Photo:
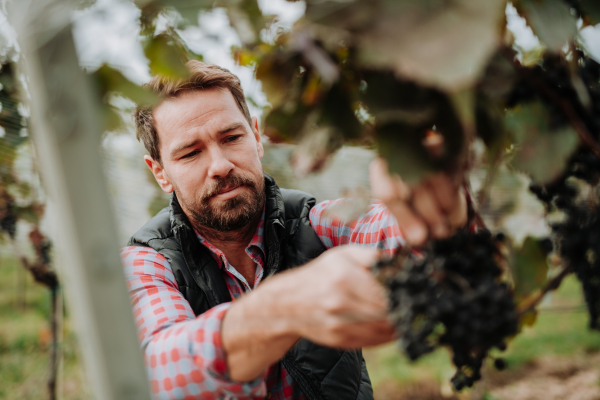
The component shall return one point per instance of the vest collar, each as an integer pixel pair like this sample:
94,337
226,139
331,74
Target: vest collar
275,235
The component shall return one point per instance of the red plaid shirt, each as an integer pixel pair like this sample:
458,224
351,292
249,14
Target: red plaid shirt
183,352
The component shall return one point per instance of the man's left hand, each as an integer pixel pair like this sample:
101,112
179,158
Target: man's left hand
433,208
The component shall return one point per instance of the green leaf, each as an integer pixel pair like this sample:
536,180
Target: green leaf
404,112
188,9
111,80
439,43
390,99
499,77
489,117
591,10
166,56
285,124
401,145
337,112
550,20
540,151
530,268
278,73
246,18
351,15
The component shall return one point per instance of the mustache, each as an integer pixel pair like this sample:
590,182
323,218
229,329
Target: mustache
225,183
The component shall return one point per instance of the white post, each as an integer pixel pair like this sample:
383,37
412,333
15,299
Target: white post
67,136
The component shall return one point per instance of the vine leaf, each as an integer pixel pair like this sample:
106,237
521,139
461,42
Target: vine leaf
591,8
402,147
442,44
166,56
550,20
278,74
530,268
188,9
347,15
541,151
112,80
283,125
246,18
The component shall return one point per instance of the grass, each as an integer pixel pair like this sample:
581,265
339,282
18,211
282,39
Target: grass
561,333
25,341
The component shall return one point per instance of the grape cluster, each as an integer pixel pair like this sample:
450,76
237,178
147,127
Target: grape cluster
452,296
579,241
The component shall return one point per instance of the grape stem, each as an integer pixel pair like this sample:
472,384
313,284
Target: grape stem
579,126
483,195
534,299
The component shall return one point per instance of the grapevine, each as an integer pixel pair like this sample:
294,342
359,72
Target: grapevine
579,241
577,236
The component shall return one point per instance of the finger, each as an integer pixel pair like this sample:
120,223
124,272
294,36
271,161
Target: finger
458,217
394,192
413,229
427,207
446,191
354,254
384,186
369,295
366,294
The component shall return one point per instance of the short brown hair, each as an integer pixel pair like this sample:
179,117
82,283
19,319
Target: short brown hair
201,76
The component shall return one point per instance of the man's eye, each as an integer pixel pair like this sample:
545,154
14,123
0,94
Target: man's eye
233,138
191,154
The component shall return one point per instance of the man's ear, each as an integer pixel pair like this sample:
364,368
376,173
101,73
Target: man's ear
159,174
256,132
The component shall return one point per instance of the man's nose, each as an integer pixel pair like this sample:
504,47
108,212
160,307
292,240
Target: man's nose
220,166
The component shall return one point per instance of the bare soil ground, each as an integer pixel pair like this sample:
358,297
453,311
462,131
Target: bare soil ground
547,378
550,378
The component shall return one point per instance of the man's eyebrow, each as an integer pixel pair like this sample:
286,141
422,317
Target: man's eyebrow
183,146
230,128
193,143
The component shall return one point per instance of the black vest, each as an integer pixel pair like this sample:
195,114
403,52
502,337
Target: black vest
321,372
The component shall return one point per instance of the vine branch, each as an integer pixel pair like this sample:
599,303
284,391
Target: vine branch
532,301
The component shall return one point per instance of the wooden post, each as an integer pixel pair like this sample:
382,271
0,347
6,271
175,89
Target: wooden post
66,135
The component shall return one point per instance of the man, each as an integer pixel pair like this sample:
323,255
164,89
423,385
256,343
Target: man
209,327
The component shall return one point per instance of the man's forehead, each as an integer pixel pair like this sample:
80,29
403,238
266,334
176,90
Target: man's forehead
195,109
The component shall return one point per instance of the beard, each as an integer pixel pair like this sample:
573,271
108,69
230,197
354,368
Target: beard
232,214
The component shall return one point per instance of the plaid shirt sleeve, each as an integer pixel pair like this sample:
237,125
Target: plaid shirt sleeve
377,227
184,354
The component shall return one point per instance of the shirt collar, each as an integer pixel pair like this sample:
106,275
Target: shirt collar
256,243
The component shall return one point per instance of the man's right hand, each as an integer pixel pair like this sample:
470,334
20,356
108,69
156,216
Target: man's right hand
334,301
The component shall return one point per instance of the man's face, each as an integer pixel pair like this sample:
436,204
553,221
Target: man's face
210,158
